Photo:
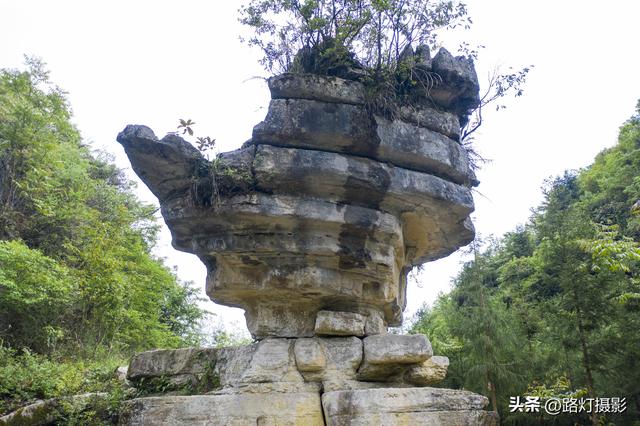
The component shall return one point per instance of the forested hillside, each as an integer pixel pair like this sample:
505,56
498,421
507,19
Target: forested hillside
80,290
553,308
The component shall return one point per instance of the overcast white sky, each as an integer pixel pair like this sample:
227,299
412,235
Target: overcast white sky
152,62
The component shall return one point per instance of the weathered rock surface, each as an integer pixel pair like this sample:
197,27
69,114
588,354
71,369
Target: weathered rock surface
335,362
316,87
309,355
265,251
375,324
400,406
166,166
442,122
307,124
272,361
171,362
327,208
41,412
178,368
429,372
272,408
387,357
54,410
330,323
305,366
397,349
312,227
120,375
459,90
432,211
342,357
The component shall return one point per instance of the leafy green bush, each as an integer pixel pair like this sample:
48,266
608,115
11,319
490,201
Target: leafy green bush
26,377
36,293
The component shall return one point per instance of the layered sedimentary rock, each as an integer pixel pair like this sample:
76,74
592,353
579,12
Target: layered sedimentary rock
343,380
326,208
312,227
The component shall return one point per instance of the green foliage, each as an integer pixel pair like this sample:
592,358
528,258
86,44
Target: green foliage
218,180
76,271
215,178
367,41
79,287
26,377
36,295
552,309
148,386
372,32
224,339
198,385
407,85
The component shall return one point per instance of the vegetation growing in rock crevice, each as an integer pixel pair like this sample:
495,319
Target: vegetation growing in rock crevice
370,41
219,179
215,178
552,309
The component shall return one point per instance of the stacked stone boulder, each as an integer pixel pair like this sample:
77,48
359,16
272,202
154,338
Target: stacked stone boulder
312,227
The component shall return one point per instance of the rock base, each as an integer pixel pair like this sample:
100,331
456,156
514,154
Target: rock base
241,409
420,406
386,406
304,381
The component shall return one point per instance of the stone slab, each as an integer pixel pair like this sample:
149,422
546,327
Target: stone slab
347,128
272,361
433,211
171,362
309,355
439,121
440,418
429,372
375,324
356,180
397,349
285,409
329,360
400,406
332,323
316,87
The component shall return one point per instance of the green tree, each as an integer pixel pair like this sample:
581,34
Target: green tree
375,31
482,320
371,41
92,283
563,289
37,290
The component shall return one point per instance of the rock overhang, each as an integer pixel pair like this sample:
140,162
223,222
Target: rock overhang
329,205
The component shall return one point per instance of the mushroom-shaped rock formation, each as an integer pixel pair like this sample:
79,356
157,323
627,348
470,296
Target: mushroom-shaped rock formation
327,207
311,227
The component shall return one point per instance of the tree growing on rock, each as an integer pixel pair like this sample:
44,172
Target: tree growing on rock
373,41
374,33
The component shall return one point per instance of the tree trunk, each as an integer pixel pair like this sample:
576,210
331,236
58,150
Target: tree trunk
379,29
492,395
586,363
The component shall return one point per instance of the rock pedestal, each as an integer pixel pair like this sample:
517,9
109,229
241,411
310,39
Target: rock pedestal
312,227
